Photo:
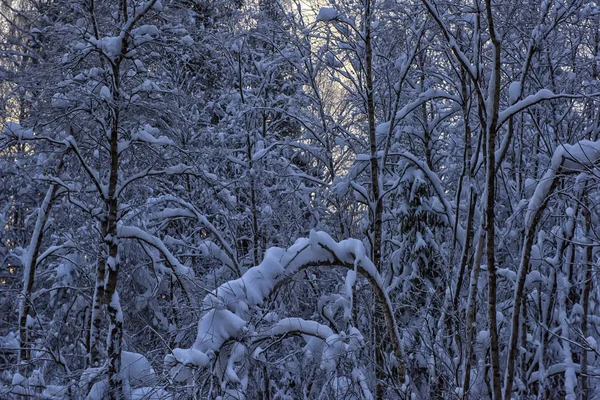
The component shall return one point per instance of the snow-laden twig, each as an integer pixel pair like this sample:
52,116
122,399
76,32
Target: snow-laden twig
180,271
191,211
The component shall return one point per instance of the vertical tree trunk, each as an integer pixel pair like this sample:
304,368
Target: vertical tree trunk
95,344
472,300
531,224
253,204
29,269
492,109
111,297
256,253
377,204
585,387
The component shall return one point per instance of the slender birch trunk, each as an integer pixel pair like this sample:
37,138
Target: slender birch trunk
29,270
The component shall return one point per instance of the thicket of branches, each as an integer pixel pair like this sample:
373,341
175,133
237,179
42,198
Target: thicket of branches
271,199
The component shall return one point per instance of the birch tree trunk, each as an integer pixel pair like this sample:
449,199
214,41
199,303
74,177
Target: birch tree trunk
29,270
377,203
492,109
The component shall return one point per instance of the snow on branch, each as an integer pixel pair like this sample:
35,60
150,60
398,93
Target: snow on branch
179,169
15,131
327,14
424,97
528,101
577,157
298,325
567,159
461,57
180,271
541,95
190,211
229,306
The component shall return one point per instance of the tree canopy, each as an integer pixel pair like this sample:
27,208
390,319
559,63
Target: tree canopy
286,199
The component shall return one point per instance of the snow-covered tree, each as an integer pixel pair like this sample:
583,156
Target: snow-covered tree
299,199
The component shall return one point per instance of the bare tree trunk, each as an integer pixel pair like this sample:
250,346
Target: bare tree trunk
266,394
377,210
492,109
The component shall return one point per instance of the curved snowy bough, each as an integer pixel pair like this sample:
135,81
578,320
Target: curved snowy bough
581,157
229,306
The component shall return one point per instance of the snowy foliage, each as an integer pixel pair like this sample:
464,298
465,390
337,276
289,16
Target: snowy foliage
281,199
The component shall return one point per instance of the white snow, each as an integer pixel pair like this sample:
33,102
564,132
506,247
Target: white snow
110,46
338,345
592,343
543,94
327,14
145,33
115,303
383,128
566,158
300,325
16,131
554,369
187,40
158,6
10,341
147,134
237,355
514,91
577,309
532,278
147,86
507,273
59,100
137,369
18,379
150,393
215,327
229,305
584,153
105,93
191,357
350,282
54,391
334,349
140,66
483,337
499,317
98,391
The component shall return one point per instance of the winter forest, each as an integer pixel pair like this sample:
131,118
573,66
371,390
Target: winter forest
299,199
